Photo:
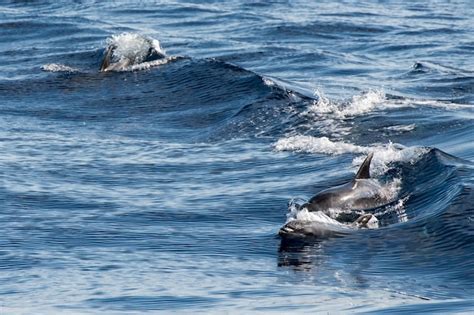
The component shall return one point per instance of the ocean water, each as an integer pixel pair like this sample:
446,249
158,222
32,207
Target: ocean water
162,187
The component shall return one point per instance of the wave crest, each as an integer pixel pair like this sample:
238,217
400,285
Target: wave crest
384,154
358,105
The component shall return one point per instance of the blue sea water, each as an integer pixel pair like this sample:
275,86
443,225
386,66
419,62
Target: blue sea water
162,188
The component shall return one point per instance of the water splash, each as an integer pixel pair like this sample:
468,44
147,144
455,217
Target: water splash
358,105
384,155
133,47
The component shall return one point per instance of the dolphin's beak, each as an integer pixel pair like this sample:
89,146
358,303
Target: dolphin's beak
106,61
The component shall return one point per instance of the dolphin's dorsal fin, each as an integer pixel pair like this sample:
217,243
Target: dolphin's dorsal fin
106,61
364,170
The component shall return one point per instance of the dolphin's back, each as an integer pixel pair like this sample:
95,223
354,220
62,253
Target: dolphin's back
331,198
358,194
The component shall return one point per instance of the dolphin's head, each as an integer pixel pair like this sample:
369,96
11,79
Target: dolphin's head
303,229
154,54
129,49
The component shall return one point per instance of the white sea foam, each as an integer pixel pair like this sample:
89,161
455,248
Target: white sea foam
311,144
150,64
358,105
389,153
401,128
369,101
55,67
331,117
384,154
304,215
268,82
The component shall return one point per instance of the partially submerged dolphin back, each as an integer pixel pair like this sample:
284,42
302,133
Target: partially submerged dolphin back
105,65
127,49
360,193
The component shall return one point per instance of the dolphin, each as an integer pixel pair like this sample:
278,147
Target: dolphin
360,193
111,62
325,227
343,204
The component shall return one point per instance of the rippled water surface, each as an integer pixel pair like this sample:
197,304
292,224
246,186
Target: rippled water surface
162,186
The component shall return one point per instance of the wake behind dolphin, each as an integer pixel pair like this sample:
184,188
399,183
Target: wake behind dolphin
339,209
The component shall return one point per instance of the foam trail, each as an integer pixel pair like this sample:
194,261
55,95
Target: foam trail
55,67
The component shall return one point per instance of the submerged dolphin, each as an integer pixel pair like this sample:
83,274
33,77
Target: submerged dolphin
146,51
349,200
325,228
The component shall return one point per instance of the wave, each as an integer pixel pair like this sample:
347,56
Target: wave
226,101
358,105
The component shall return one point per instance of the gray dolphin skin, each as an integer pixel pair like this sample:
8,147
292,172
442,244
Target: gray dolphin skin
360,193
350,199
110,64
298,229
